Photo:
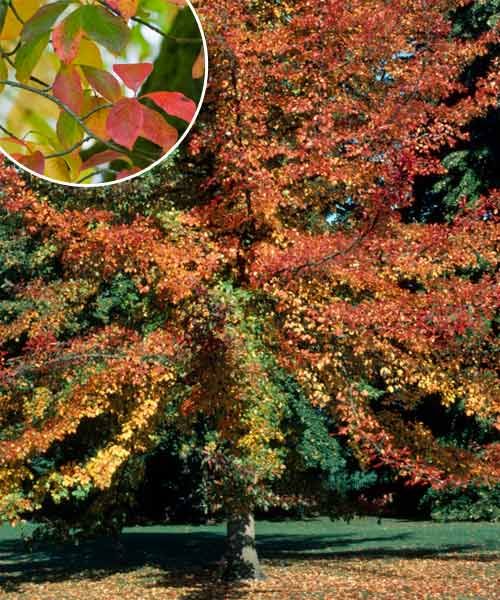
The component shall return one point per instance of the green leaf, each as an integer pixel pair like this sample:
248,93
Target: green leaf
68,130
43,20
493,20
105,28
103,82
28,55
4,73
456,159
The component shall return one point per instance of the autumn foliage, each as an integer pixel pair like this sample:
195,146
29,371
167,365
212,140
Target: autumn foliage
71,62
292,255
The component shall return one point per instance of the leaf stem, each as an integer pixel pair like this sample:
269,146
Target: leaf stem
179,40
15,13
11,52
9,133
68,150
97,109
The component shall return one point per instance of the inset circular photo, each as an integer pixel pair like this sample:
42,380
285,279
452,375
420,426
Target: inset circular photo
93,92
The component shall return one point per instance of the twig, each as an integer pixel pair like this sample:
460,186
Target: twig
179,40
331,256
46,86
66,108
15,13
97,109
68,150
5,54
9,133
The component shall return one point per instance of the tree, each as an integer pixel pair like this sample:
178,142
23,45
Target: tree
470,164
287,255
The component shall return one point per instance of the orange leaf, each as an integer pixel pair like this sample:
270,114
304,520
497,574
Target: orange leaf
35,161
66,38
126,8
97,121
156,129
127,172
198,69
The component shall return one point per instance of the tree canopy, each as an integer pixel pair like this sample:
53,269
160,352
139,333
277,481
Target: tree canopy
281,247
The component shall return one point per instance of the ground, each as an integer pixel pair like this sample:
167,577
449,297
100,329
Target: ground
306,560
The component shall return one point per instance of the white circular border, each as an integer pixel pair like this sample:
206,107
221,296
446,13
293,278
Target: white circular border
156,163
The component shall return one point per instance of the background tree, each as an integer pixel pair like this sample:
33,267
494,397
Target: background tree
285,259
471,170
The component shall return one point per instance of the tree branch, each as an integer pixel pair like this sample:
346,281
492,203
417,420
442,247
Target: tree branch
320,261
9,133
68,150
15,13
12,52
46,86
179,40
68,110
97,109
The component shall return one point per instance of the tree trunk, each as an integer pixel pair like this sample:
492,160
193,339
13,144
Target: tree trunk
242,561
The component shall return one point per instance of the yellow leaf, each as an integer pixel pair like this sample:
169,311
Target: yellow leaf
97,122
74,162
89,55
13,147
4,72
56,168
12,27
31,112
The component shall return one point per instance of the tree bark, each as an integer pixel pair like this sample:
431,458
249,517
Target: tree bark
242,561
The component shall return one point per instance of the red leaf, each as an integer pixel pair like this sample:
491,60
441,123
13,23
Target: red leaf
68,88
103,82
35,161
174,103
133,75
156,129
124,122
103,157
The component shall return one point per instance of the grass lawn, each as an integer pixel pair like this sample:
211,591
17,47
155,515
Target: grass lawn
315,559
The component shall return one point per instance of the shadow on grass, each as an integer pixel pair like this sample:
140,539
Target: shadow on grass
191,559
